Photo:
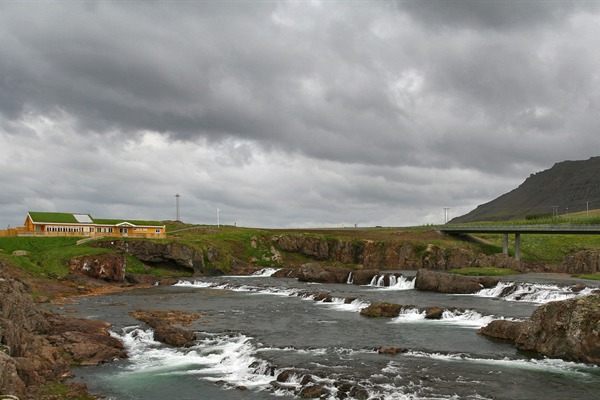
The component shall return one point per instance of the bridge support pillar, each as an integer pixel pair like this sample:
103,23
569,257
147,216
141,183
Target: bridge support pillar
505,244
517,246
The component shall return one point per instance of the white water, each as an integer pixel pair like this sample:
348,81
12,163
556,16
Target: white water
532,292
265,272
225,358
544,364
232,360
240,288
466,318
395,283
331,343
341,305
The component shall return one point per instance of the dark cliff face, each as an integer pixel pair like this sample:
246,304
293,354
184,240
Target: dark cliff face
567,184
155,252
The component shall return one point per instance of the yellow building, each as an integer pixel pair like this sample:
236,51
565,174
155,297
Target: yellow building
67,224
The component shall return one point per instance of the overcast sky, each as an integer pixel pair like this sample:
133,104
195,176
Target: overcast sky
290,113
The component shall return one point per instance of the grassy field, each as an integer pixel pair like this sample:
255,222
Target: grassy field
49,256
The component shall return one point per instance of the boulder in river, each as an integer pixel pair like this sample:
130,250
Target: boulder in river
442,282
381,309
567,329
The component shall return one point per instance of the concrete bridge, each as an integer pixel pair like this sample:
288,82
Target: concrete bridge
517,230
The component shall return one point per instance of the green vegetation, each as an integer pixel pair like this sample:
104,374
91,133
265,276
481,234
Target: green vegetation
58,390
227,246
54,217
591,217
594,277
46,256
543,248
487,271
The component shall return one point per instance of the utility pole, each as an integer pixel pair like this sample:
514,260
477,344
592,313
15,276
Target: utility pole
177,205
446,214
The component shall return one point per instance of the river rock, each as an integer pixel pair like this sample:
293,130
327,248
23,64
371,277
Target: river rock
567,329
172,335
442,282
313,391
381,309
502,329
162,322
287,273
313,272
434,312
393,350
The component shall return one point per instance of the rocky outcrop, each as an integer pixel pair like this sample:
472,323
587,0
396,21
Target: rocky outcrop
84,341
108,266
313,272
582,262
435,281
163,323
502,329
390,254
158,252
39,347
568,329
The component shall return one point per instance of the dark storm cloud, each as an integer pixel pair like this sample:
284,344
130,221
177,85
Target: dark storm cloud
496,15
203,68
294,106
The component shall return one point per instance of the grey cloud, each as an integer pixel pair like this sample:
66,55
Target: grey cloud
295,107
496,15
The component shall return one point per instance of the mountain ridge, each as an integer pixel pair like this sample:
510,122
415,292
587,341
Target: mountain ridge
568,186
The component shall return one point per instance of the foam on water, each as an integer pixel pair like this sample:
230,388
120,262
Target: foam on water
466,318
227,358
395,283
264,272
545,364
532,292
277,291
341,304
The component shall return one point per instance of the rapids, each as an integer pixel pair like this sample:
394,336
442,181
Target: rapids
259,327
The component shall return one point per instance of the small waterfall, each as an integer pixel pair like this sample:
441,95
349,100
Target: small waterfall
373,281
393,280
381,281
350,280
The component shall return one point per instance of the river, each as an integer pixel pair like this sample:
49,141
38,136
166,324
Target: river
256,327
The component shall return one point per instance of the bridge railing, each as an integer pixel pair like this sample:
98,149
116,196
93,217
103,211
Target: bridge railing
521,228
